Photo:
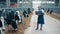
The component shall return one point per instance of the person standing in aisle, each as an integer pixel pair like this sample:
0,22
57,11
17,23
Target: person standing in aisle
40,21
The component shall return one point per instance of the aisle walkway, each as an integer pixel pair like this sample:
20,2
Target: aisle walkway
51,26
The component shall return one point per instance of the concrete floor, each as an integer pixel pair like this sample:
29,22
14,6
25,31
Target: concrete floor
51,26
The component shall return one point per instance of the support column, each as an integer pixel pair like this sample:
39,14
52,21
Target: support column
17,3
8,3
56,2
59,3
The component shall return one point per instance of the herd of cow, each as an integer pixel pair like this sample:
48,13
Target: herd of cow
11,19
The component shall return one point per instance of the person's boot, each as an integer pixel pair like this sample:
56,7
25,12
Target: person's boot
40,28
36,28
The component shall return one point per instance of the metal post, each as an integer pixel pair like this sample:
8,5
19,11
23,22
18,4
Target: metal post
8,3
17,3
